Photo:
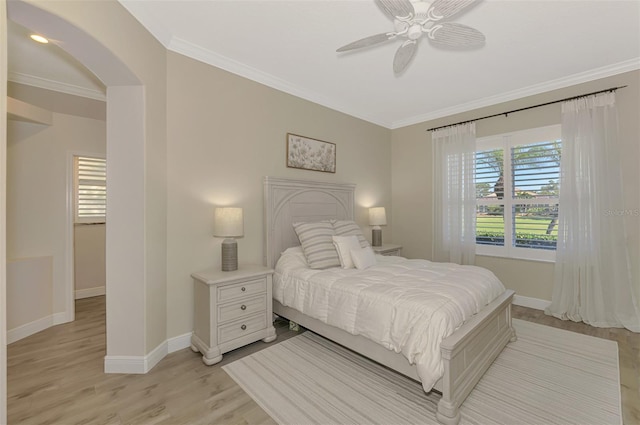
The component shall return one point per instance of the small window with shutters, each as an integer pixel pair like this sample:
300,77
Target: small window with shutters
517,181
90,197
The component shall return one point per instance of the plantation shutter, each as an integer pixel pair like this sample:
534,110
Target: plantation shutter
517,178
490,190
536,179
91,190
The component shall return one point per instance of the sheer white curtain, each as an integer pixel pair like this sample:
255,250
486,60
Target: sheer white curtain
593,280
455,197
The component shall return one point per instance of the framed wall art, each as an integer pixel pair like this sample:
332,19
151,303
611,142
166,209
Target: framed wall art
310,154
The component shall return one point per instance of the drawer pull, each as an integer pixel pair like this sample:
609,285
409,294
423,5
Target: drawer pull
243,307
243,327
243,289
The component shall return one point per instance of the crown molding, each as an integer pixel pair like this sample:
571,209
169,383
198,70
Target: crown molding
196,52
44,83
560,83
203,55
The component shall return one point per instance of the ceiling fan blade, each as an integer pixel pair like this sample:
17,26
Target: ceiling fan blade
450,34
403,56
367,41
397,9
446,8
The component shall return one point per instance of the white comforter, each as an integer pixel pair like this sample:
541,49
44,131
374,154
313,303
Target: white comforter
408,306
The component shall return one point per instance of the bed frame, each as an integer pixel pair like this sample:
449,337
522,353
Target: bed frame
466,354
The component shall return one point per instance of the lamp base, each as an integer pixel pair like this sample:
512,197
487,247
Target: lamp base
229,255
376,237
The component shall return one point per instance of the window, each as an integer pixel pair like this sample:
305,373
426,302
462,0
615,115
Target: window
90,184
517,185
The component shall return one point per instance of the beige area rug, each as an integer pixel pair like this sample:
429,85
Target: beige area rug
548,376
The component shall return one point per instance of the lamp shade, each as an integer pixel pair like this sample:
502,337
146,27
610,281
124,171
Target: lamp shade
228,222
377,216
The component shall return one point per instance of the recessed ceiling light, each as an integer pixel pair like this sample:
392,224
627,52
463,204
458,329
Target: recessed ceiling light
39,38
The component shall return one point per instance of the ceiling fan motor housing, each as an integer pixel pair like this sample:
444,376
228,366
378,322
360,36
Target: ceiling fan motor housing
415,31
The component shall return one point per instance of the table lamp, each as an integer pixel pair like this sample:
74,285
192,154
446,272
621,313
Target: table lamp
229,224
377,218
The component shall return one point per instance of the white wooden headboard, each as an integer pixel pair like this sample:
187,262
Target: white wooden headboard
288,201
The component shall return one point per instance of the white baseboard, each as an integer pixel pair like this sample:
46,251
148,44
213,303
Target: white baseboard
536,303
180,342
143,364
90,292
124,364
28,329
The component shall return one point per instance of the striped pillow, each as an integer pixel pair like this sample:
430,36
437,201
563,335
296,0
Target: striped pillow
317,244
349,228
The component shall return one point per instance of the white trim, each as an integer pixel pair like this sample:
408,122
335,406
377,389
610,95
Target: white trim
154,357
96,291
69,262
28,329
143,364
124,364
44,83
516,253
571,80
3,211
530,302
207,56
135,364
179,342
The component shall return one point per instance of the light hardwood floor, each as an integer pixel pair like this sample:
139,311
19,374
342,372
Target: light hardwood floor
56,377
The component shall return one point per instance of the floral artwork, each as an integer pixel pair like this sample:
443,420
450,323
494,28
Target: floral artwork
310,154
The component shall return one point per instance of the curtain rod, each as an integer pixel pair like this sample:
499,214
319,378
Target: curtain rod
612,89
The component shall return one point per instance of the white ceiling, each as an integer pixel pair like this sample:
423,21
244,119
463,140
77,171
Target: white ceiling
531,47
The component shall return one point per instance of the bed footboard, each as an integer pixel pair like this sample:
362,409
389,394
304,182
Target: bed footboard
469,352
466,354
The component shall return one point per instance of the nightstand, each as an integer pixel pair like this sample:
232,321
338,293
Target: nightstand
388,249
231,309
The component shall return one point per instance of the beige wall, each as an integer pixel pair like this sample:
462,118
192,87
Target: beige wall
412,165
225,133
38,172
29,293
89,258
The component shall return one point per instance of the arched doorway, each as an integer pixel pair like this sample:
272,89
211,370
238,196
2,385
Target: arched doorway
126,153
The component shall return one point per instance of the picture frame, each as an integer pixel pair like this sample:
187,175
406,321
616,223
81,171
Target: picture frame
310,154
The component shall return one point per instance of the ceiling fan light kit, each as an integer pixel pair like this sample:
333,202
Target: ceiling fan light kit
412,19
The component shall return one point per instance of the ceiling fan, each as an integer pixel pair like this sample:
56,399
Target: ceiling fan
414,18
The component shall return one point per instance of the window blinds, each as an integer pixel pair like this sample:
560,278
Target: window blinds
91,190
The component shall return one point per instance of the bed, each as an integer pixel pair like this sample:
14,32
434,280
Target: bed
466,354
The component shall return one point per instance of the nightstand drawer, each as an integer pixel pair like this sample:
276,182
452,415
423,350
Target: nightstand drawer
240,328
242,308
242,289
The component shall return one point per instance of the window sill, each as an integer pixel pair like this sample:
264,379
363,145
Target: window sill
517,257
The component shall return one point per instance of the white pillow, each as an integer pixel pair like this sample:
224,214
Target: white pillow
344,245
363,258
